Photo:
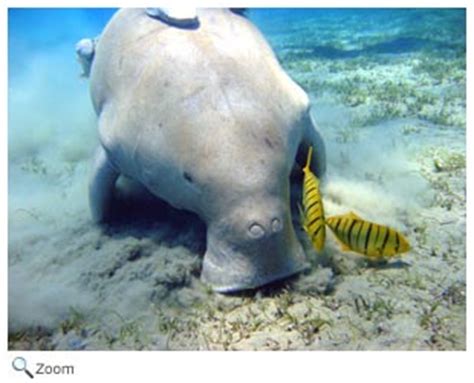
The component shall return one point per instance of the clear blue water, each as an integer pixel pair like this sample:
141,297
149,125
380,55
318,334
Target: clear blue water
37,29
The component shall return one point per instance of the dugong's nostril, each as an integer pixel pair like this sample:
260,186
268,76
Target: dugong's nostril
256,230
276,225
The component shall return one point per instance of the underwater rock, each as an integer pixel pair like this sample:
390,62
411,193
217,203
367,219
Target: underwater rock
207,120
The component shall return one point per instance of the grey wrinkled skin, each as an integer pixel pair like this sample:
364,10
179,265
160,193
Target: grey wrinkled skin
207,120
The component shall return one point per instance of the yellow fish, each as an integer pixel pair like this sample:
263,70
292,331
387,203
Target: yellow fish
312,217
367,238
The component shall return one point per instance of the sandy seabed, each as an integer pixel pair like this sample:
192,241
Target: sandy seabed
394,125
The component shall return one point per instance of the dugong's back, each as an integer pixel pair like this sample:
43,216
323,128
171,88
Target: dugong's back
135,47
165,91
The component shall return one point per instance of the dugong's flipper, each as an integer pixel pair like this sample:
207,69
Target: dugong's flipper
101,186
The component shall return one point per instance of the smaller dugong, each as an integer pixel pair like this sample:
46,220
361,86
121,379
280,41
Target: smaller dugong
207,120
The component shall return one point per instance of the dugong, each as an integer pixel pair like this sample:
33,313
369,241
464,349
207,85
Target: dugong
206,119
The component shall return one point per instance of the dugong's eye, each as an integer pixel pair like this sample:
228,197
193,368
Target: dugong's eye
188,177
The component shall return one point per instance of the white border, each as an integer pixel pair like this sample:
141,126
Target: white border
234,367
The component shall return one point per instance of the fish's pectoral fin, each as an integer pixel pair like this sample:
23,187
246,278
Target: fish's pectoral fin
343,246
302,217
377,253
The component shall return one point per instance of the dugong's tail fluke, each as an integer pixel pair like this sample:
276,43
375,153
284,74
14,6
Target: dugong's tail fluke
85,50
184,17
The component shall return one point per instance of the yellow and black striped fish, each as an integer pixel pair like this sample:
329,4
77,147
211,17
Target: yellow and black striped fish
367,238
312,214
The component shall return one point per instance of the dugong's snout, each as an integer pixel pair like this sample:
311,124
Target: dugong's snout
251,248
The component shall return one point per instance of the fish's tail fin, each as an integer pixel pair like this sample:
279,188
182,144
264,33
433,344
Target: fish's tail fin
308,161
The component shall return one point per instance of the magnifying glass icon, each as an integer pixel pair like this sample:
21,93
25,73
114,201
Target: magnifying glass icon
19,364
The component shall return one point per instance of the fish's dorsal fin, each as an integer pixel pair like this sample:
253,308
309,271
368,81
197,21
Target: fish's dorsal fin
354,215
308,161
